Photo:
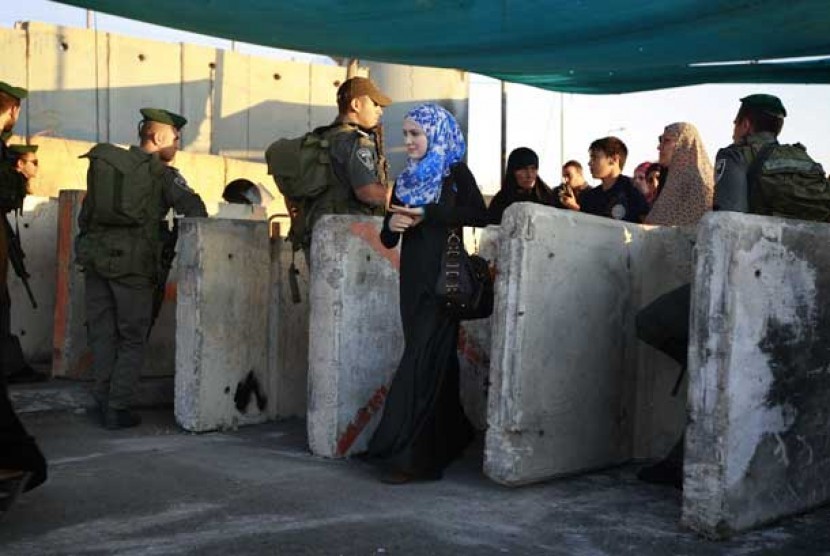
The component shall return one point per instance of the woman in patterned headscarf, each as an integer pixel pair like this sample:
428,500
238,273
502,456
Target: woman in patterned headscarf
423,426
687,191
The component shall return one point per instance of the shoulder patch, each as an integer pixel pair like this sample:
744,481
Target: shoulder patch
364,155
179,181
720,167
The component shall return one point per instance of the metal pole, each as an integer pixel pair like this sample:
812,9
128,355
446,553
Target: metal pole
503,128
89,19
561,129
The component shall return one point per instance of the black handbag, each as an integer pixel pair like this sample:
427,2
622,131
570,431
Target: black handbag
465,285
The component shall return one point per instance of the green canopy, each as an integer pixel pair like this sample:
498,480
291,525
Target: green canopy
578,46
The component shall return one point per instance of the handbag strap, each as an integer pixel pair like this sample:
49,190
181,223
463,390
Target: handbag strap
454,249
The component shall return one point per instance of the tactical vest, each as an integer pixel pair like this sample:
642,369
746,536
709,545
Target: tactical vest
121,214
785,181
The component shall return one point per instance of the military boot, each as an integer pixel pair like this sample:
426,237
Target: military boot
121,419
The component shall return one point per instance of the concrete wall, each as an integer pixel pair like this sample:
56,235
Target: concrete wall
61,168
757,442
88,85
571,389
357,341
222,315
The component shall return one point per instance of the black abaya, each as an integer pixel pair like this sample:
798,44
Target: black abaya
423,427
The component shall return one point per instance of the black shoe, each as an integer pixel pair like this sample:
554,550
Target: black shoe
396,478
121,419
12,483
663,472
26,375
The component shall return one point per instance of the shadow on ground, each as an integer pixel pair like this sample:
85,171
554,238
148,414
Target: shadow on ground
158,490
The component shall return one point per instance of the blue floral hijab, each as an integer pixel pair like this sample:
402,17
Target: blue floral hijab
420,182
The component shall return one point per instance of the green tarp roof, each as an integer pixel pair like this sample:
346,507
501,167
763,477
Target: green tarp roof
579,46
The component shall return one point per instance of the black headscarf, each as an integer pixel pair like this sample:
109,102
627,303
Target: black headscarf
510,193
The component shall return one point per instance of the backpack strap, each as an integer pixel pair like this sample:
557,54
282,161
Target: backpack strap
753,177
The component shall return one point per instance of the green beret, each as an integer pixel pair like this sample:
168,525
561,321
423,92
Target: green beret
22,149
766,103
17,92
163,117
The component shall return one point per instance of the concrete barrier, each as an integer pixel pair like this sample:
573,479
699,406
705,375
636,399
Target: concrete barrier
757,442
288,334
356,336
37,225
564,394
222,314
70,355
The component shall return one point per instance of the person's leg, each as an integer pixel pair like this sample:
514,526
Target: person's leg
664,323
22,465
133,315
101,334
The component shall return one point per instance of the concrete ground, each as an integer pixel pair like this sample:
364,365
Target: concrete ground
257,490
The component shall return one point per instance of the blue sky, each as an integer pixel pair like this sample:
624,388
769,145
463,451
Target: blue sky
535,116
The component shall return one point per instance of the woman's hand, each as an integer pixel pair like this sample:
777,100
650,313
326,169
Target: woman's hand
415,213
400,223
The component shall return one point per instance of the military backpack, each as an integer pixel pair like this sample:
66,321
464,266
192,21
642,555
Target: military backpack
302,170
785,181
121,213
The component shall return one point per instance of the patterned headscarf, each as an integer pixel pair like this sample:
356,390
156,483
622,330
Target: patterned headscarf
420,182
687,194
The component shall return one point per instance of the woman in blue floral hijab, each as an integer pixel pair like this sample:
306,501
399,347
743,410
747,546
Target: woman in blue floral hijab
420,182
423,427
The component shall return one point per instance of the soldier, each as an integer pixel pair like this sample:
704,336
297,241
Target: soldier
23,159
122,229
757,124
22,466
355,151
26,162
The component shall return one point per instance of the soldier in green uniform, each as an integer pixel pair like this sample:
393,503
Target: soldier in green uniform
664,324
758,123
122,229
22,466
355,150
23,159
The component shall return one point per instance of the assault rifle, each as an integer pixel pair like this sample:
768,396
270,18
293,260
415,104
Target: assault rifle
16,256
168,253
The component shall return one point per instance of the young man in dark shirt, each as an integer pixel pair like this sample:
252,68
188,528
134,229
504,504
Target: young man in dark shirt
616,197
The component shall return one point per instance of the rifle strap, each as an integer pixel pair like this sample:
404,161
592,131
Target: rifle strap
293,281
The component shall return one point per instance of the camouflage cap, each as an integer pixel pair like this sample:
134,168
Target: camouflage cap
22,149
766,103
163,117
359,86
17,92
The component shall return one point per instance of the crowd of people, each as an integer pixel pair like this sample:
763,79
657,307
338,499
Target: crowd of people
423,427
675,190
